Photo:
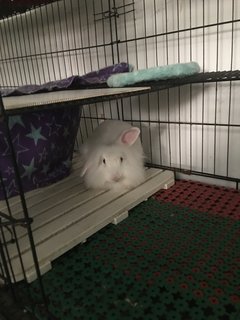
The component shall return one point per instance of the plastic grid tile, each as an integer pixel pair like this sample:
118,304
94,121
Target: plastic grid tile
218,200
163,262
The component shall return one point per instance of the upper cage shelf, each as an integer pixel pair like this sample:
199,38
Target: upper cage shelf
19,104
10,7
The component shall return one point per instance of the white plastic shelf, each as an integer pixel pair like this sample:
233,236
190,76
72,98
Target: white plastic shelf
18,104
66,214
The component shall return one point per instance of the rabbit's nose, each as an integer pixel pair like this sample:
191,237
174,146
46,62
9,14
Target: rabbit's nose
117,178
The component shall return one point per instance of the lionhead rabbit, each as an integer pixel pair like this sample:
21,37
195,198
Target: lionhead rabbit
113,157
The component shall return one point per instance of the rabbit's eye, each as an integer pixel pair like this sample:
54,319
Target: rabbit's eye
104,161
121,159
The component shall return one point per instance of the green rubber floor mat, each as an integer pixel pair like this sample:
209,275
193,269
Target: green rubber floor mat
163,262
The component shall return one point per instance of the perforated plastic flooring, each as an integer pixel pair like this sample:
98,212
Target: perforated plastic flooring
169,260
217,200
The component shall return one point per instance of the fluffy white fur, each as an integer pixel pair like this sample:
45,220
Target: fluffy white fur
113,157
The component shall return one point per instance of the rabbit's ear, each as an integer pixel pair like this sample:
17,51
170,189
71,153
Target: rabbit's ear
129,136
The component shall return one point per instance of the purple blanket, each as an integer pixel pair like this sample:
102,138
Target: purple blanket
44,140
90,80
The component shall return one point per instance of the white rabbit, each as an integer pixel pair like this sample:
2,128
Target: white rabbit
113,157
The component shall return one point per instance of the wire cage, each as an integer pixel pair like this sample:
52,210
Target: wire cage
190,125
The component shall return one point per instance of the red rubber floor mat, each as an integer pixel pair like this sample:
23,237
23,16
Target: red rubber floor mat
203,197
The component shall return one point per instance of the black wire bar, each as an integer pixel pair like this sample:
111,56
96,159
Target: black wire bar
145,37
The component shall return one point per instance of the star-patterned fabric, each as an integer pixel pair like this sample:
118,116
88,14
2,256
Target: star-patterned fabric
43,143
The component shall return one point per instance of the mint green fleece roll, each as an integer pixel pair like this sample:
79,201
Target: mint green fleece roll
178,70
